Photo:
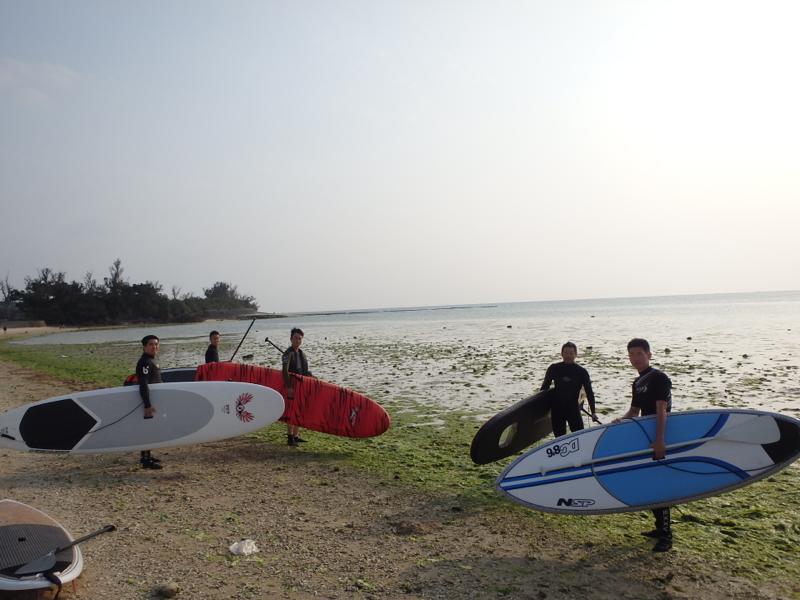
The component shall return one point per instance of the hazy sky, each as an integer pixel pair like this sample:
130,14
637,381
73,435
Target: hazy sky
350,154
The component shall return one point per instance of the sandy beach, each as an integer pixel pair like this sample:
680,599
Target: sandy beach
325,530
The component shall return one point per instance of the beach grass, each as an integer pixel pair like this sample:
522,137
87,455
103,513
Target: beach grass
103,365
753,532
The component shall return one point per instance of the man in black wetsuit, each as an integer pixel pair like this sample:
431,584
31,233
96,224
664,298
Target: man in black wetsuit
212,352
147,372
569,378
652,395
294,361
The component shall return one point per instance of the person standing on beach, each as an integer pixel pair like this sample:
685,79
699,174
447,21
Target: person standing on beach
148,372
569,377
652,395
294,362
212,352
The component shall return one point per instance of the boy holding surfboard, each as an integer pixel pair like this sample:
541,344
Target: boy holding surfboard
147,372
652,395
294,361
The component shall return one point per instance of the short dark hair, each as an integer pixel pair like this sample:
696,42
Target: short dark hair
297,330
147,338
639,343
569,345
213,332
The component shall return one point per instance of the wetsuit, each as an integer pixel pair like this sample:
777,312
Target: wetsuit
652,385
294,362
212,355
147,372
569,378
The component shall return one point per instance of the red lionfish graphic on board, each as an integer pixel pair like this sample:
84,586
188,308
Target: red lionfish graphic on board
245,416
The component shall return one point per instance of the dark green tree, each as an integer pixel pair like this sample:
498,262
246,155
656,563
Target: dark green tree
223,295
49,297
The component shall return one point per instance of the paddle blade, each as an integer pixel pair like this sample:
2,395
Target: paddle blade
43,564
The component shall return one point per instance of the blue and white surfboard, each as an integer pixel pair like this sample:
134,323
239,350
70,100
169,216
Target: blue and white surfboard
610,468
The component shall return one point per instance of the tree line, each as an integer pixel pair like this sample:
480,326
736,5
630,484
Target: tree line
51,298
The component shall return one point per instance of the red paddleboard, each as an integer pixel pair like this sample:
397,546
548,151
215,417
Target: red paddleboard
317,405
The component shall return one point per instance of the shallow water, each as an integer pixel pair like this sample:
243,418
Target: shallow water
732,350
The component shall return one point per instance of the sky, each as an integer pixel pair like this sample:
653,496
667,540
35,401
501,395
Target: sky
335,154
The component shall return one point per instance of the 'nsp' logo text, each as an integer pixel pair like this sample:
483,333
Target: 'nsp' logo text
575,502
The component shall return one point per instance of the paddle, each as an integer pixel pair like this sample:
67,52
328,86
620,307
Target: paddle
45,563
242,340
593,418
278,348
761,429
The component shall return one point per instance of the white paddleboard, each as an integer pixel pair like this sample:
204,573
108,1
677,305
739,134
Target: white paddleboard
27,534
610,468
111,420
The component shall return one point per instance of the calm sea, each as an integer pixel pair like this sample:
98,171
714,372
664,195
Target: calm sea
719,350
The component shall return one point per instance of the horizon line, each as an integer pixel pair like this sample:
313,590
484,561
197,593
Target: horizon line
413,308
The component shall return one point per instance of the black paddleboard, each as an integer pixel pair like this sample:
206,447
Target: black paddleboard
513,429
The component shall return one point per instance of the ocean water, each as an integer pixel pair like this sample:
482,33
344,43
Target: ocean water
720,350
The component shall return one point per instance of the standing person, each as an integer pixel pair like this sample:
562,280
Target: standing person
148,372
294,361
212,352
652,395
569,378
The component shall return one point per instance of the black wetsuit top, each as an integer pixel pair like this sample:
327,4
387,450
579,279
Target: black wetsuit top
294,362
569,379
212,355
651,385
147,371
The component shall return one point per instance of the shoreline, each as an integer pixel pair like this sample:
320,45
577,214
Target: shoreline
405,515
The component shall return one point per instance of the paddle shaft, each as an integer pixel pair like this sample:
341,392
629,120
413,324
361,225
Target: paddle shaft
88,536
242,340
278,348
593,418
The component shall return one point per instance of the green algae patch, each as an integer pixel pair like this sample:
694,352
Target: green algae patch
103,365
427,450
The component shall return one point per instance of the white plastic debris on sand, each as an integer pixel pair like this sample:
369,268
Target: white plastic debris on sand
244,548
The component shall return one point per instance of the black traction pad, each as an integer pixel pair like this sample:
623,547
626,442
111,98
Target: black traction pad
22,543
58,425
